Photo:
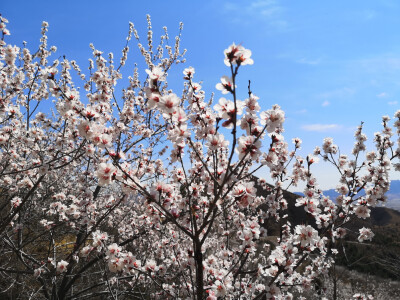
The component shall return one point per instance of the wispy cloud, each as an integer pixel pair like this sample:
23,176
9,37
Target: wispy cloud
265,7
325,103
338,93
307,61
321,127
382,95
385,62
368,14
299,57
301,111
268,11
392,102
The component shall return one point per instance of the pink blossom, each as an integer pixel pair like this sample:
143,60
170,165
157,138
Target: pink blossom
365,234
237,54
62,266
225,86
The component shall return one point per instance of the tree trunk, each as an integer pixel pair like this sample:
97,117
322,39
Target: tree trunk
198,257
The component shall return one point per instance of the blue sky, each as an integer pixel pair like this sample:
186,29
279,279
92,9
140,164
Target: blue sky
329,64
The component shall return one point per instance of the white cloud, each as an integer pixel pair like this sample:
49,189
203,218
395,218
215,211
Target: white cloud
301,111
267,11
368,15
381,95
392,102
321,127
326,103
338,93
262,3
279,24
380,63
267,8
307,61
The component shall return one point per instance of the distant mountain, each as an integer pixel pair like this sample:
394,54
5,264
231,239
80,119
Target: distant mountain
393,195
380,216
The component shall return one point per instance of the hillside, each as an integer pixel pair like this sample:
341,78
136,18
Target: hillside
380,257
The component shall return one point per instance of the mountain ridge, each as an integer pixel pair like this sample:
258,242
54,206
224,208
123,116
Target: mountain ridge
393,195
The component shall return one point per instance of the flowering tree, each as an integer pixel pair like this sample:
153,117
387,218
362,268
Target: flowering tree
142,193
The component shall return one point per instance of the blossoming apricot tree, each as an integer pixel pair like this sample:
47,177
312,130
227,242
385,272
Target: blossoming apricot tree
149,194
